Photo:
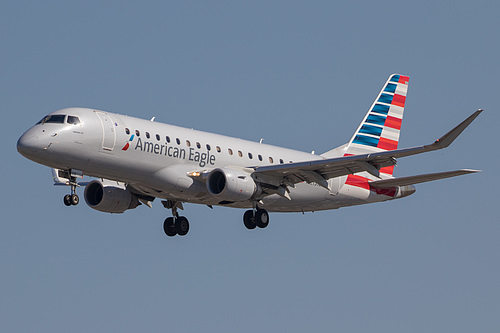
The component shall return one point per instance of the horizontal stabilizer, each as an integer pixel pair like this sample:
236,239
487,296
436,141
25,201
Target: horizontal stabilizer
404,181
341,166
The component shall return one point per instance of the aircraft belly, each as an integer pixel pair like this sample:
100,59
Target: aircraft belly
304,197
313,198
172,182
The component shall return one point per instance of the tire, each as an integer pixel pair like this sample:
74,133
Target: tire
169,227
74,199
67,200
182,226
248,220
262,218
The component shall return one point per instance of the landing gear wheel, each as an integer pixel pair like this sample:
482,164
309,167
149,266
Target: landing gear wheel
181,226
169,227
74,199
261,218
67,200
248,220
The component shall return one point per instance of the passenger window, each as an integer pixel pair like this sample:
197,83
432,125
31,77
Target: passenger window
127,131
73,120
271,160
147,135
218,149
168,139
230,151
137,133
281,161
208,147
178,141
158,137
240,154
260,157
198,145
250,156
188,143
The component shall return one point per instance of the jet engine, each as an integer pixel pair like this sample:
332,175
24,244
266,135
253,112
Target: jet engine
109,197
231,185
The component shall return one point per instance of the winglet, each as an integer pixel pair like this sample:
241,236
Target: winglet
449,137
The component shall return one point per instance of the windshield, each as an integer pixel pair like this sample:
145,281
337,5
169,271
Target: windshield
56,118
73,120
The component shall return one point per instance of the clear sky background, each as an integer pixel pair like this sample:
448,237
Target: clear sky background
300,75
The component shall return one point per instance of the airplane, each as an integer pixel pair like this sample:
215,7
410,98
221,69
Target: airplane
135,161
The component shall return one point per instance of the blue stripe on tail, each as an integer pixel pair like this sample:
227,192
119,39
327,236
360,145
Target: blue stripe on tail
366,140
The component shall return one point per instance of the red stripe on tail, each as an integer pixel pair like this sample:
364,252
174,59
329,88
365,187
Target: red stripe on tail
387,144
393,122
404,79
399,100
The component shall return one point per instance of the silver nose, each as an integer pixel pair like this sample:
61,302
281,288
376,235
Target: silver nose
28,144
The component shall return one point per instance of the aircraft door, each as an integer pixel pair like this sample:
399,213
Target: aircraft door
108,131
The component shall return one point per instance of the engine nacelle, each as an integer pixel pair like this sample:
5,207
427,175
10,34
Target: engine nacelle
109,197
231,185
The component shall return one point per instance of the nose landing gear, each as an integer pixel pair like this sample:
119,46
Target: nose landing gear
72,199
68,178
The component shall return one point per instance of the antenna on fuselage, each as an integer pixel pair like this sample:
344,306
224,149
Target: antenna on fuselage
153,119
261,139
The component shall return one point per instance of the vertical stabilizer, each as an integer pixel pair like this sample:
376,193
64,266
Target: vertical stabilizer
380,128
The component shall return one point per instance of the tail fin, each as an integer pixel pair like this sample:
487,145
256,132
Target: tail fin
380,128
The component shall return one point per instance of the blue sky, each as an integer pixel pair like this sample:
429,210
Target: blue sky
300,75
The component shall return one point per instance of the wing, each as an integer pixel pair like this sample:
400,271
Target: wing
319,171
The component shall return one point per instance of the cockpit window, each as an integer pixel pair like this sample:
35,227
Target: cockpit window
73,120
56,118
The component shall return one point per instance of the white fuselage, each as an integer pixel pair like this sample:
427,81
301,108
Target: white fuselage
155,160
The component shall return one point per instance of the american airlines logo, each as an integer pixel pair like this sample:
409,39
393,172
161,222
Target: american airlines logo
127,145
168,150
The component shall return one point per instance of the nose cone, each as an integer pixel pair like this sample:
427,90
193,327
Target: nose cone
28,144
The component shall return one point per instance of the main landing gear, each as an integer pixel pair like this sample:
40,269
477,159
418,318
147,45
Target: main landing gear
179,225
256,218
176,225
